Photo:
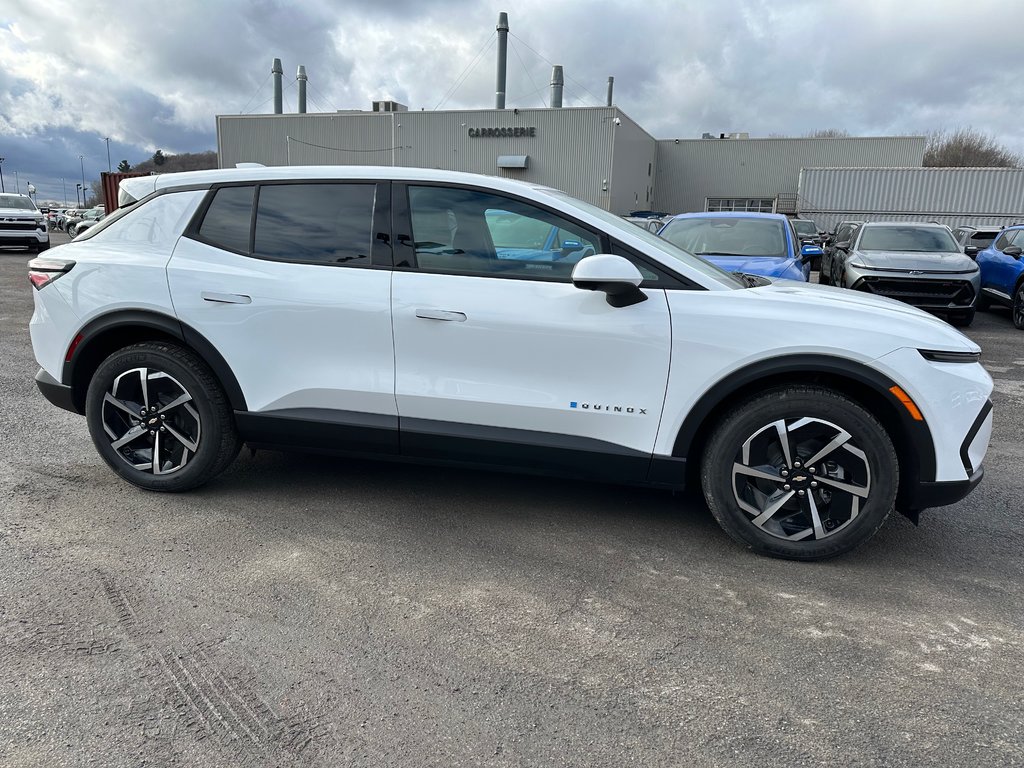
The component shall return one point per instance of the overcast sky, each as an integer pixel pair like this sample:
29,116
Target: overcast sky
153,75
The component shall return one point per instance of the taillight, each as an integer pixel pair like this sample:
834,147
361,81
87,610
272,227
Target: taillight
44,270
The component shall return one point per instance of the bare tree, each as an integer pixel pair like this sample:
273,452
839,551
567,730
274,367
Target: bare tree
828,133
967,148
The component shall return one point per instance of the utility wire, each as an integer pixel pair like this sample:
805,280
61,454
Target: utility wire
242,111
465,73
528,75
567,77
342,149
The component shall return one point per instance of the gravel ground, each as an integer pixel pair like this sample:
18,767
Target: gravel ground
311,611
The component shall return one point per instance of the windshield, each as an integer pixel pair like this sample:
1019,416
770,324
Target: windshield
16,201
714,236
804,227
618,224
914,239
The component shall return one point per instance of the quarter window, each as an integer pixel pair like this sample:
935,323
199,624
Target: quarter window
466,231
315,223
227,220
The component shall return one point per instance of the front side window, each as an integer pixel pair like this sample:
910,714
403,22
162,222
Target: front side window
910,239
474,232
723,236
315,223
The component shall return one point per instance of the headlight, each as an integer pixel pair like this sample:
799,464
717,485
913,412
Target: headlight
858,266
942,356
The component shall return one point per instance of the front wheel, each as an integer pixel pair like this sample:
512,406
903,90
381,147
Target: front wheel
1018,307
159,418
801,473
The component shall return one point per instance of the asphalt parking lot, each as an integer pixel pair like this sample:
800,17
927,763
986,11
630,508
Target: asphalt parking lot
313,611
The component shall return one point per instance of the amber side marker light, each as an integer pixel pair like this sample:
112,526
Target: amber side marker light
904,398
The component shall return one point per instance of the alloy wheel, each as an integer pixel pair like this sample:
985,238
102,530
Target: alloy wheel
151,421
1018,308
801,479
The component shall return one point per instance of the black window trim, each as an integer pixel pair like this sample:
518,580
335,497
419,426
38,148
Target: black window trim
405,258
380,247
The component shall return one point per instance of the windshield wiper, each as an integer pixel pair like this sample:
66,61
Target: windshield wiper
722,253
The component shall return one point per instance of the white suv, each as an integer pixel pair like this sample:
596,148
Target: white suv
441,316
21,223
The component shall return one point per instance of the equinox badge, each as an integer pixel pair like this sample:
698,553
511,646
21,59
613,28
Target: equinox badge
608,408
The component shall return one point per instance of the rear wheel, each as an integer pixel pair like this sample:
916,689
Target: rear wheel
1018,307
823,278
800,473
159,418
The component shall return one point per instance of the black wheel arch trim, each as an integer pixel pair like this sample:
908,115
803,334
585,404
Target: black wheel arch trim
134,318
965,446
916,432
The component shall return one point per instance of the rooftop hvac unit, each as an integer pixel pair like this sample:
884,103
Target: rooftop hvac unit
389,106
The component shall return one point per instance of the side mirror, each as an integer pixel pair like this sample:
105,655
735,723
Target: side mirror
809,251
613,275
570,246
1013,250
843,246
972,251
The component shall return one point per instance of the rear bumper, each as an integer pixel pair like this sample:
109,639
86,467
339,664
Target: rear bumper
57,393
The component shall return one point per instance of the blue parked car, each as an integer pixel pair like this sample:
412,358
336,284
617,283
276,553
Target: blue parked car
755,243
1002,273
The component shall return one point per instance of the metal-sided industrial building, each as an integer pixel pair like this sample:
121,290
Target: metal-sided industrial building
598,154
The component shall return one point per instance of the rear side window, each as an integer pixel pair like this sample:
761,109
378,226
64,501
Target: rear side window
227,220
315,223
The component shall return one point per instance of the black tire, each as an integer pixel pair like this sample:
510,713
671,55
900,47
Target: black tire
962,319
1018,308
42,246
823,278
195,440
812,418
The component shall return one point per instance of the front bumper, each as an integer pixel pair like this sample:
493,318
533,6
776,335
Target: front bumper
924,495
936,291
57,393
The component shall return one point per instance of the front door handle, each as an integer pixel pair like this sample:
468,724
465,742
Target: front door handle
226,298
441,314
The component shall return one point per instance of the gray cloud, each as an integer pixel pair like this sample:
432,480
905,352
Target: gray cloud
154,75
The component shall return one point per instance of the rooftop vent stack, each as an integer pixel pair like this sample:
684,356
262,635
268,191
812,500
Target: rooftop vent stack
611,86
301,77
557,82
276,71
499,92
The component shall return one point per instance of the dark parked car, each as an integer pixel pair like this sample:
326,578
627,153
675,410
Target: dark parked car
844,232
975,238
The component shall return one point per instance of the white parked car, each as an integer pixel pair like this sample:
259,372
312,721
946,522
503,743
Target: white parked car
22,223
369,311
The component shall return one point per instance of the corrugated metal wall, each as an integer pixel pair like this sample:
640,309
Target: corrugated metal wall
953,196
633,167
572,149
692,170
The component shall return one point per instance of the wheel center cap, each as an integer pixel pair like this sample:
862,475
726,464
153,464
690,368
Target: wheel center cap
799,479
153,422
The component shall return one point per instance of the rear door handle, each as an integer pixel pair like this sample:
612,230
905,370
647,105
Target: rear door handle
441,314
226,298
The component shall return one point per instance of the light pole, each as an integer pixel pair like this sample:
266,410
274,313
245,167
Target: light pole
81,159
78,203
17,184
2,175
63,184
107,139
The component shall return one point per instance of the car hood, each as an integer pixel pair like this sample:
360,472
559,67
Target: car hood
909,260
753,265
839,310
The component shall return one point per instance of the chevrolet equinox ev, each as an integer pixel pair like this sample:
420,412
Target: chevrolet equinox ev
429,315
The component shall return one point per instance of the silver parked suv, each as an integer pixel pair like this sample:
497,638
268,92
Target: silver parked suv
919,264
21,223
